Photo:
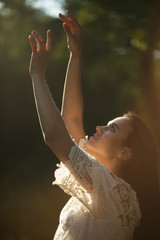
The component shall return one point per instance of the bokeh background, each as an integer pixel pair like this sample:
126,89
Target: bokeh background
120,72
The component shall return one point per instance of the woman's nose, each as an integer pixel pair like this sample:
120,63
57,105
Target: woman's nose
99,129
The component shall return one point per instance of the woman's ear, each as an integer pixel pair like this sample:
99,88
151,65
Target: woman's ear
126,154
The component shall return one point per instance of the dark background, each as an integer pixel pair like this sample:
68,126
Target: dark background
120,72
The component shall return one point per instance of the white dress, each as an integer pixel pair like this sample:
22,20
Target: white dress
102,206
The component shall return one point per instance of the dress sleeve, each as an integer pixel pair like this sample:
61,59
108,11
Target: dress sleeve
99,190
79,177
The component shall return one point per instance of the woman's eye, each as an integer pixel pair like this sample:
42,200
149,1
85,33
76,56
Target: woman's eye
112,128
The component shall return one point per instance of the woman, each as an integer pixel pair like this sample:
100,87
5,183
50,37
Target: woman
103,172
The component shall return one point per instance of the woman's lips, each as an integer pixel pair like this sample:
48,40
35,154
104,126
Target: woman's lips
94,137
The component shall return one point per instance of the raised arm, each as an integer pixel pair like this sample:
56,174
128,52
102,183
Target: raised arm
72,103
52,125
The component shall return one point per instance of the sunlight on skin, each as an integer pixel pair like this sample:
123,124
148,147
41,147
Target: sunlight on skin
107,143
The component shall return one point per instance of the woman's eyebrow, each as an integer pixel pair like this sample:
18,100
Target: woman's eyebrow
115,125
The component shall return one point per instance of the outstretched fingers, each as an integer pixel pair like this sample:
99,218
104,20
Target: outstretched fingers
40,53
69,14
49,41
64,19
38,44
70,20
33,44
70,23
39,40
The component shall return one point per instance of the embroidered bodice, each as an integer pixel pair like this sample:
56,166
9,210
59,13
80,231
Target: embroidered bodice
102,206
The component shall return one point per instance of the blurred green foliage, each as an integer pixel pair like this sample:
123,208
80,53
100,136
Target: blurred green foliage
120,72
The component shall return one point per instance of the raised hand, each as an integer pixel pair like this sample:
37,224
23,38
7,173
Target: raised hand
73,31
40,54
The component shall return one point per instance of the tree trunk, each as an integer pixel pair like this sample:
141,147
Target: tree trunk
148,86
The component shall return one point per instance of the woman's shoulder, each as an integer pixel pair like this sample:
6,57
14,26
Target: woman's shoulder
126,196
120,185
128,201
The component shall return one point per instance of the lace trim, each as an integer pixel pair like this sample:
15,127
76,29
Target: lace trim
78,163
69,184
129,204
73,177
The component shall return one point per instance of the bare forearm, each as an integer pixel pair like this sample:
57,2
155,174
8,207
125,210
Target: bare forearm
48,114
72,104
53,128
52,125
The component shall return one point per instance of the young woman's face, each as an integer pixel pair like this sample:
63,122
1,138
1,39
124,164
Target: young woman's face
107,142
